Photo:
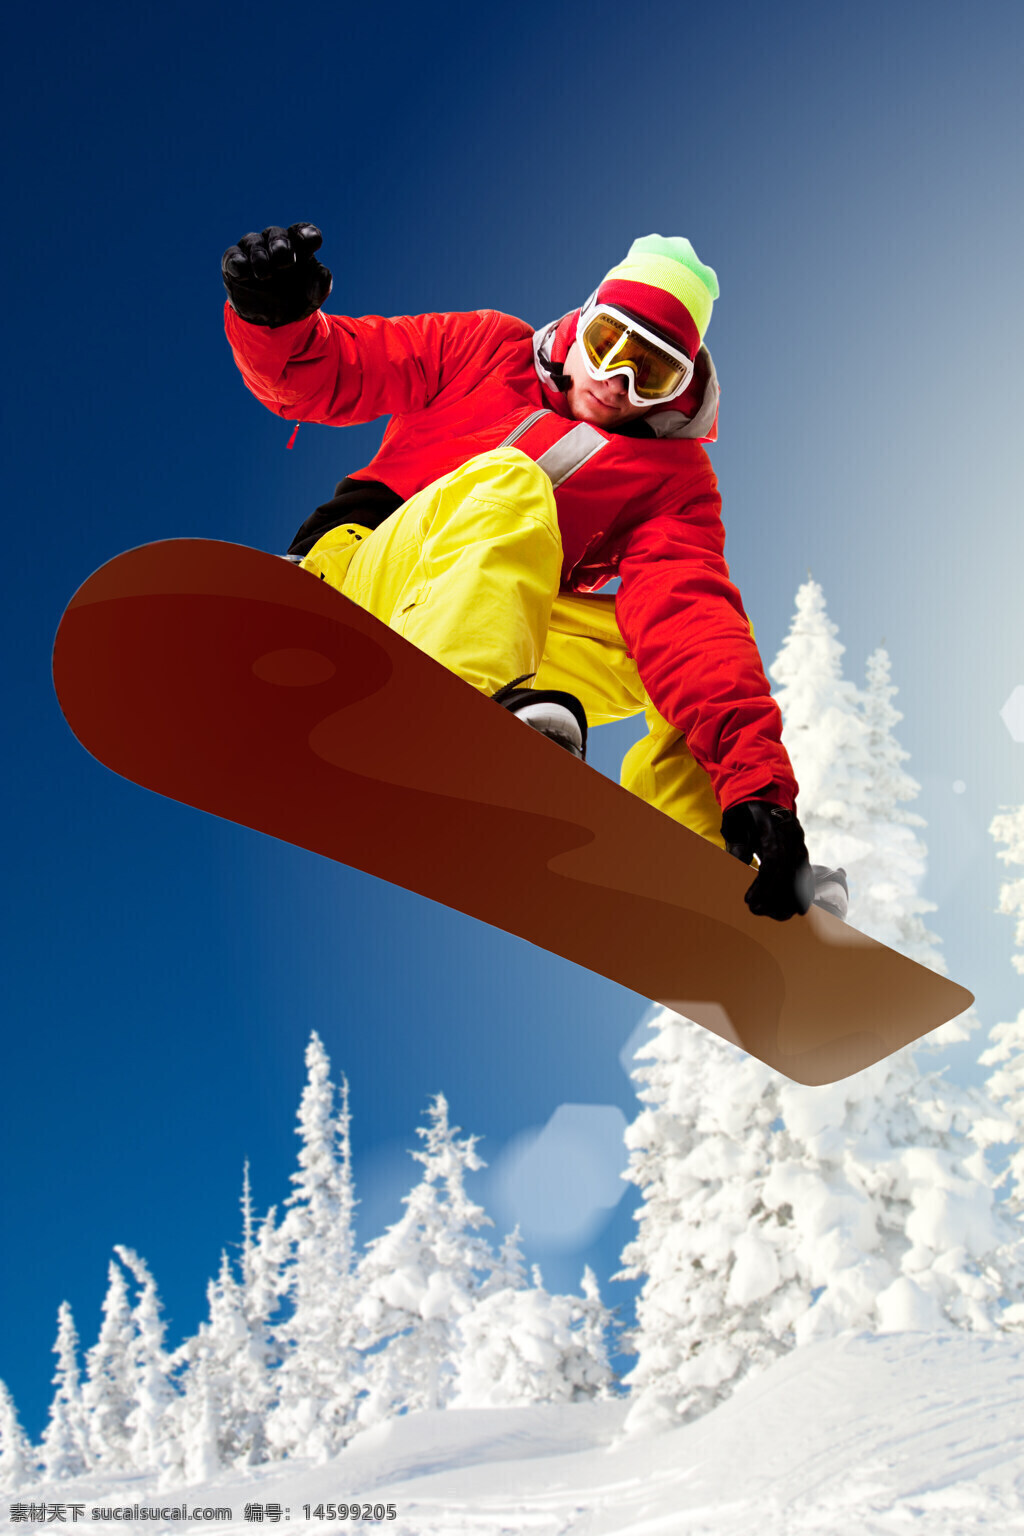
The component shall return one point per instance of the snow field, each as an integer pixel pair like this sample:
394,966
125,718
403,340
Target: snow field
861,1435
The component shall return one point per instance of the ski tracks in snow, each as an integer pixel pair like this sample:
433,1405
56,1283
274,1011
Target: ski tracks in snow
873,1435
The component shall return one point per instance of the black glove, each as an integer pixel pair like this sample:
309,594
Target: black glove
275,277
785,882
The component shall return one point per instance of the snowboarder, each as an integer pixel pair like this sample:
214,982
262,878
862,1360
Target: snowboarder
520,472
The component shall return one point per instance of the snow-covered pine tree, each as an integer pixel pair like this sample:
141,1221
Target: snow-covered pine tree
150,1424
422,1277
65,1449
902,1144
190,1425
897,1132
854,790
264,1254
774,1213
596,1325
214,1424
19,1463
520,1345
509,1270
888,903
826,734
228,1378
318,1381
1008,828
1006,1052
719,1299
108,1389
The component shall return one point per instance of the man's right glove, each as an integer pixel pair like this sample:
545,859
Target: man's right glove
275,278
785,882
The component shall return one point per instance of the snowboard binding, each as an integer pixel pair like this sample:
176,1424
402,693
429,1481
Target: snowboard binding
558,716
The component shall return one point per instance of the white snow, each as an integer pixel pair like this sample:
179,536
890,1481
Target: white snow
755,1272
862,1435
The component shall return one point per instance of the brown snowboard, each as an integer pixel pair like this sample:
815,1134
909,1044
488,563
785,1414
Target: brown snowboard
231,680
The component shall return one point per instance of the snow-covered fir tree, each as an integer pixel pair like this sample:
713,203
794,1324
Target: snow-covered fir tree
508,1272
902,1141
888,879
774,1213
219,1419
191,1451
596,1324
421,1278
854,790
151,1443
228,1370
318,1380
826,734
264,1254
1008,828
19,1463
521,1345
65,1448
1006,1052
719,1299
108,1389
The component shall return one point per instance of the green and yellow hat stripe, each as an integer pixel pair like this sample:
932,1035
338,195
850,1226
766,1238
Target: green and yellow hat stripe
670,263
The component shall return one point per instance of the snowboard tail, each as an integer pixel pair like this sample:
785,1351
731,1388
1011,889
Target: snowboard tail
233,681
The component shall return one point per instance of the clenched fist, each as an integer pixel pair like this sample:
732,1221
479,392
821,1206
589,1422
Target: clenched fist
274,278
784,885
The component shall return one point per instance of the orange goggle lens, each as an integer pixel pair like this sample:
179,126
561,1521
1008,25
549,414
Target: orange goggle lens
609,344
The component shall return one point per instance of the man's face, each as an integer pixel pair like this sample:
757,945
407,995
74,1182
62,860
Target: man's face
605,404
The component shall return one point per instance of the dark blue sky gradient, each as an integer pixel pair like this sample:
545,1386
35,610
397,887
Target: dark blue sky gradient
852,172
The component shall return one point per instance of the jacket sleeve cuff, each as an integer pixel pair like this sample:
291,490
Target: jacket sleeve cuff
738,791
261,344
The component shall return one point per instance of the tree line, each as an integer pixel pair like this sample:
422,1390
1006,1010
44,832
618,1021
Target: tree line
307,1341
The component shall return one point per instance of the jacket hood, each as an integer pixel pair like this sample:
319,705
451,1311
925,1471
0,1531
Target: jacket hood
551,348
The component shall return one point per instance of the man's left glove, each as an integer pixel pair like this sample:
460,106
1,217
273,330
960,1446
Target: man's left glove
784,883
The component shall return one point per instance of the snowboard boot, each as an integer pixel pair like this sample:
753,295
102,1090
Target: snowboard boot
558,716
831,892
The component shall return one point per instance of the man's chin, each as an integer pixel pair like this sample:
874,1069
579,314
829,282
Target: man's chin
587,407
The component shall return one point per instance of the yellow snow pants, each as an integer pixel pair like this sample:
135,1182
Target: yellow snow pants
468,570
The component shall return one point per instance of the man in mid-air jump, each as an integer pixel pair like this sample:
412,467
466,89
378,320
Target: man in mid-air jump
520,472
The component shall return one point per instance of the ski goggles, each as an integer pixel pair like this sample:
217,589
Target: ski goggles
612,342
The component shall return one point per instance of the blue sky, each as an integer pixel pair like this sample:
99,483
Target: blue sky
853,174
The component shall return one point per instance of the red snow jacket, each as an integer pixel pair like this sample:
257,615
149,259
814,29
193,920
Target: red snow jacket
645,509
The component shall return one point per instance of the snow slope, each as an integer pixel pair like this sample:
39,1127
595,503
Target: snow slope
864,1435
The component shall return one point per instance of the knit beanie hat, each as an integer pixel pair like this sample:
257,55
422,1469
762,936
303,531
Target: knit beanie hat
663,282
